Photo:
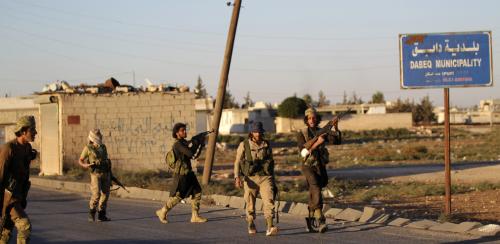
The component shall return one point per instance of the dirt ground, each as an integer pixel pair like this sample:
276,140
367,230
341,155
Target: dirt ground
475,206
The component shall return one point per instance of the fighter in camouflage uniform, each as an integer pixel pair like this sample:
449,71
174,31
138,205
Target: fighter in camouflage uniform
15,158
254,169
314,168
95,157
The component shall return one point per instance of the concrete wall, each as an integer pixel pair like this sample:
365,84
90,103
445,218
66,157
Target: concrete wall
475,117
233,121
137,127
11,109
356,122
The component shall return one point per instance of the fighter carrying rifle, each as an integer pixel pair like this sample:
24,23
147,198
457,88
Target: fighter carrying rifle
312,142
185,183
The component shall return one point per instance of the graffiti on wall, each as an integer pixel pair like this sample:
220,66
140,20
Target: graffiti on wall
137,134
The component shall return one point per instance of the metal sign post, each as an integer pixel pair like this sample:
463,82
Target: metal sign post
444,60
447,161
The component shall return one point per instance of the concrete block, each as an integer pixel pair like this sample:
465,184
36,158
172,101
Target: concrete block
300,209
258,204
486,231
332,212
237,202
422,224
399,222
381,219
463,227
368,214
349,214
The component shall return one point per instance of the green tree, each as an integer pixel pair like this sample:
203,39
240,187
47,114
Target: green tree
401,106
322,101
229,101
344,99
354,99
423,113
200,88
248,101
308,99
292,107
378,97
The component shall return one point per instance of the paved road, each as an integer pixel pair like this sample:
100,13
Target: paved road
61,217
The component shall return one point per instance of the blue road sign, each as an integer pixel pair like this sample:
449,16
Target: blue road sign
445,60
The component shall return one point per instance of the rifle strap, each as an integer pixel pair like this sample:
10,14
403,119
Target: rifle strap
248,152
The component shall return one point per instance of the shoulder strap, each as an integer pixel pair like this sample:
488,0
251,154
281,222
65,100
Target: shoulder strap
305,133
268,149
248,152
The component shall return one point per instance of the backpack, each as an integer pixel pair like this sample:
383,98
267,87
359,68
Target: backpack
170,159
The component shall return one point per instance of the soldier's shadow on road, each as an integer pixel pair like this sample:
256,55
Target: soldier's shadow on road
332,229
479,240
67,199
56,213
117,241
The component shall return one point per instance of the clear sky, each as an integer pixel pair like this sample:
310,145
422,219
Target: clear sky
282,47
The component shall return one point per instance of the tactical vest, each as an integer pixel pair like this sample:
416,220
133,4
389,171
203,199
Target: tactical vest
319,155
262,167
17,177
99,159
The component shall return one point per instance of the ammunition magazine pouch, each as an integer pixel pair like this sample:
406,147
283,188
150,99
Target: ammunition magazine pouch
101,166
251,167
98,165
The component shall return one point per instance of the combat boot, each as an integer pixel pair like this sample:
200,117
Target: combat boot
251,227
311,222
91,217
196,218
271,229
101,216
321,220
162,215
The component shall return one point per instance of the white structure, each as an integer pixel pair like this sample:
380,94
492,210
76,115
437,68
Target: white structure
11,109
263,113
365,108
233,120
240,120
488,112
203,110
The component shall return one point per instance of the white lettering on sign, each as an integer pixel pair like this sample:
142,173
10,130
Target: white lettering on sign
458,63
421,64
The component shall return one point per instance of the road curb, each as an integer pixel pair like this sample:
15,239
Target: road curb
369,215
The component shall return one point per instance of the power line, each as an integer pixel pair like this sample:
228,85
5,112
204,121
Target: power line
304,52
189,64
70,13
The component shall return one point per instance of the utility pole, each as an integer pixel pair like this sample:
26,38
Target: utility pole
221,92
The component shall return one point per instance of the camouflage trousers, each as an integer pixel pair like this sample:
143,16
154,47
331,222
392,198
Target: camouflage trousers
195,201
20,220
263,185
100,184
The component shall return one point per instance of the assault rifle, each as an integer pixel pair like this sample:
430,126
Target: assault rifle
118,183
199,139
113,178
327,128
